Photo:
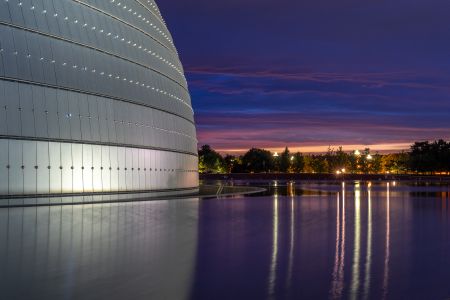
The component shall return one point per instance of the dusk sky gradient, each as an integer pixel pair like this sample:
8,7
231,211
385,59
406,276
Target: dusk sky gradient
309,74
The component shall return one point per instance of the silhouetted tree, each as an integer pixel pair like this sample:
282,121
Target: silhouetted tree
364,162
298,164
257,160
319,164
337,160
426,157
285,160
228,163
376,165
209,160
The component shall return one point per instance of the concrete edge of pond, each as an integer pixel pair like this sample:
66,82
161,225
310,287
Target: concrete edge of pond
213,191
204,192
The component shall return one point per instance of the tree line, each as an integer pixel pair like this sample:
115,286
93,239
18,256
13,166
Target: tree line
423,157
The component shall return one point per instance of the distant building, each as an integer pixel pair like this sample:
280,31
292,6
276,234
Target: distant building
93,100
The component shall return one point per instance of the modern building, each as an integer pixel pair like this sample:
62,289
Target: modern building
93,101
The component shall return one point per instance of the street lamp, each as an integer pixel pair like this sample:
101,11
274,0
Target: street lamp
275,154
369,157
357,153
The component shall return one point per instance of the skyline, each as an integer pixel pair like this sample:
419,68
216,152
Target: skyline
310,75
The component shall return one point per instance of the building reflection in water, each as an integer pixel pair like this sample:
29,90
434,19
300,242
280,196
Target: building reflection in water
273,264
105,251
275,246
339,260
291,193
388,241
358,290
355,281
368,265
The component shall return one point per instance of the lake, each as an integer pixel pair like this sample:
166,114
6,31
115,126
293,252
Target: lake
303,240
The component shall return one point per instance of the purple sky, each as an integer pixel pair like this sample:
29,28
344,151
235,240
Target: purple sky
308,74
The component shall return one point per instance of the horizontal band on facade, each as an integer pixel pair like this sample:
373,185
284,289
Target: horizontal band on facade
92,48
94,143
64,195
173,50
94,94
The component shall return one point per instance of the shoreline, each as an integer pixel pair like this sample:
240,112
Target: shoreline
334,177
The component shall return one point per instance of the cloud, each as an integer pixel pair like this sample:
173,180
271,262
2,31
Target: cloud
313,73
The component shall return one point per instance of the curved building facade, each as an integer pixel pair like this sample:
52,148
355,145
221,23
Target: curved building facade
93,100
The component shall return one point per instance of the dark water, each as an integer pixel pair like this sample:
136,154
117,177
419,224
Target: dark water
299,241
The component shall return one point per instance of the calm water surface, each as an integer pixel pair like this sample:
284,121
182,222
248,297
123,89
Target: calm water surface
358,240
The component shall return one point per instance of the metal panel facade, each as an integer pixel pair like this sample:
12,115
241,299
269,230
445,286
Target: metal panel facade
93,99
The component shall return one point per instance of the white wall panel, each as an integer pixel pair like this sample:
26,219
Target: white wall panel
78,168
128,169
4,171
147,167
106,170
121,168
27,110
56,167
29,167
64,114
52,113
3,110
97,166
15,167
141,168
114,165
4,11
43,172
69,167
135,169
40,116
75,120
13,105
87,168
